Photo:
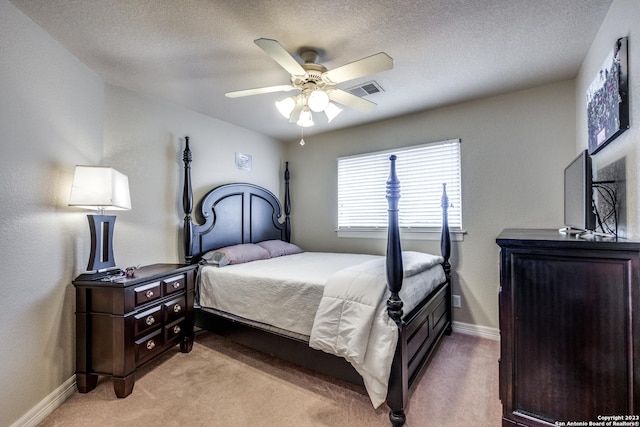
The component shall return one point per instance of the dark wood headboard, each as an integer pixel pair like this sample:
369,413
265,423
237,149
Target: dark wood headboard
233,213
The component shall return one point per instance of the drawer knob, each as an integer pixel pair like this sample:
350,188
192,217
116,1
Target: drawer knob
176,285
177,308
149,294
176,329
151,345
150,320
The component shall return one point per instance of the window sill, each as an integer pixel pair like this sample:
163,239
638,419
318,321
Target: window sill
405,234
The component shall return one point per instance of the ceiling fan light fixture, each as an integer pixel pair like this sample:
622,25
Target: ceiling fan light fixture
316,84
286,106
332,111
305,120
318,100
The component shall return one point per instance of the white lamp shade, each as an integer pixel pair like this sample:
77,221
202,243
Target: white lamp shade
332,111
318,100
100,188
305,120
286,106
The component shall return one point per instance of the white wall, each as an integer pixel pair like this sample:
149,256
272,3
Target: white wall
51,112
144,139
514,149
622,20
56,113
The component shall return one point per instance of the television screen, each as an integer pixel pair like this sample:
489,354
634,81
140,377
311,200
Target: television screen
578,194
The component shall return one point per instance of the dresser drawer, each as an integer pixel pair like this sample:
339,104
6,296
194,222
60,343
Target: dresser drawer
174,284
147,293
175,308
147,320
149,345
174,330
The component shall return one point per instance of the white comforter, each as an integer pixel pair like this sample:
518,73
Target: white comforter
352,319
283,292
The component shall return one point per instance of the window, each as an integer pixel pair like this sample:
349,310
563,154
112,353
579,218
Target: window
422,169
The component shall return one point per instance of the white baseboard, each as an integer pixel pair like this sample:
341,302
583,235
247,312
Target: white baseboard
476,330
47,405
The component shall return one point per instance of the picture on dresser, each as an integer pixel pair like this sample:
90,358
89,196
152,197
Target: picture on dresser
607,99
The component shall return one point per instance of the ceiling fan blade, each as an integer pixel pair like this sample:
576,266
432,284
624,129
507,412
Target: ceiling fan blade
362,67
295,114
351,101
258,91
281,56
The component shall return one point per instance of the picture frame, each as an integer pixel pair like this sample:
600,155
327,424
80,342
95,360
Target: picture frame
608,100
243,161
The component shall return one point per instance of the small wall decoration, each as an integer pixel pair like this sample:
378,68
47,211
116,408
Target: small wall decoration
243,161
607,99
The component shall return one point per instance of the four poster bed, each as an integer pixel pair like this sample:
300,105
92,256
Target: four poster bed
302,312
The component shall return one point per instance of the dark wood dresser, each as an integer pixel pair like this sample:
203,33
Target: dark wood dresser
124,323
570,329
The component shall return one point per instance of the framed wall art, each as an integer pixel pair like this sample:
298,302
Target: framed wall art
608,100
243,161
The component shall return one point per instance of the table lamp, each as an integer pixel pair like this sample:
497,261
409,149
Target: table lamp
100,188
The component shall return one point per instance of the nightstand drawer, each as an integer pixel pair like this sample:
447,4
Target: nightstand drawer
147,293
148,319
174,330
149,345
174,308
174,284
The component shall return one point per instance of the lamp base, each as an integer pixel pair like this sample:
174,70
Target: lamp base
101,257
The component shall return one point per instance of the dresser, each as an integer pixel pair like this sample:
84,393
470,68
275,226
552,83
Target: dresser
123,323
570,329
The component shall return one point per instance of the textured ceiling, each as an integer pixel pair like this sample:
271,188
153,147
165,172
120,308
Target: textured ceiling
191,52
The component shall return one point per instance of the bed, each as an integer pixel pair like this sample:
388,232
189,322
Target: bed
397,306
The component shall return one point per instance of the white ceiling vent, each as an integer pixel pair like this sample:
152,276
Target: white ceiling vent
364,89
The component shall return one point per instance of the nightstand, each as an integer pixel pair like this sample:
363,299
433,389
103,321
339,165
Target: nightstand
124,323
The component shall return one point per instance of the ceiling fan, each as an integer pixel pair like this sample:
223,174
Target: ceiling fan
316,84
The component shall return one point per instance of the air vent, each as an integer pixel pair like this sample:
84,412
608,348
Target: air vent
365,89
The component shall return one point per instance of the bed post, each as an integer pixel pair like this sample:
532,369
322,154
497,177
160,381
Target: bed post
445,251
445,238
394,250
398,381
187,203
287,204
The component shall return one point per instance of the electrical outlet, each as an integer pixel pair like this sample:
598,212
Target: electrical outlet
456,301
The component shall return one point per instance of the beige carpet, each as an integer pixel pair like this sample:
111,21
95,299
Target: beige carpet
224,384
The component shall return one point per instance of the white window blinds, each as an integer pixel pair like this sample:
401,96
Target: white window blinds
422,170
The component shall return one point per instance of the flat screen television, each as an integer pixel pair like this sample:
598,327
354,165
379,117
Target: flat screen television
578,195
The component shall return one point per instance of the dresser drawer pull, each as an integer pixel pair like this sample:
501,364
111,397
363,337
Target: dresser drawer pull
176,285
177,308
176,329
150,320
151,345
149,294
